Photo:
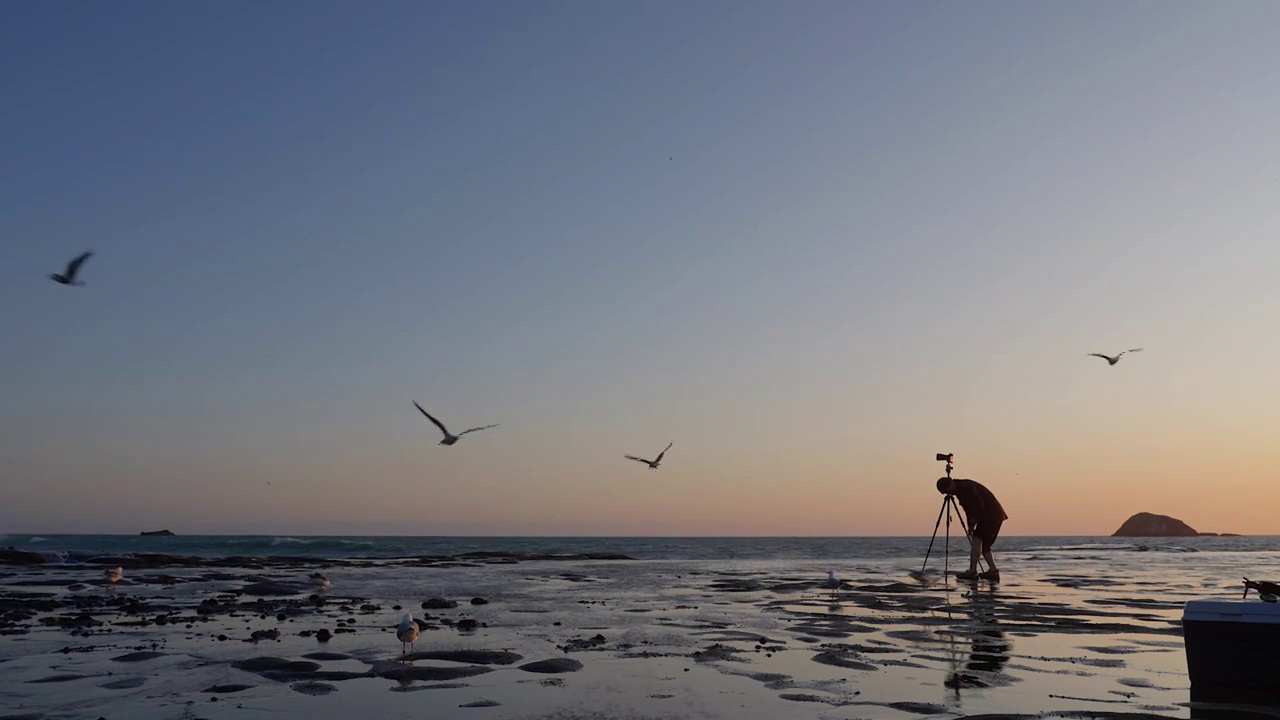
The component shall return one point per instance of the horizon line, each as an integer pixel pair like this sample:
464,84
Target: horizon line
617,537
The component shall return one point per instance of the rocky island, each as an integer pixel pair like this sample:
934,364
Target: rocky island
158,533
1151,525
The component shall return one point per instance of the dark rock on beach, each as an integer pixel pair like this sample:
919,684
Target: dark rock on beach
137,657
843,660
554,665
395,670
281,670
65,677
919,708
439,604
266,664
473,657
716,653
577,644
227,689
124,684
327,656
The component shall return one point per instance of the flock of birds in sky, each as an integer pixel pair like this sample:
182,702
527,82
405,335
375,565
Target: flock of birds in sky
407,632
71,273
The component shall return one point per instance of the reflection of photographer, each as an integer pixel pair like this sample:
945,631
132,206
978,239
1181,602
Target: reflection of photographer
985,517
988,658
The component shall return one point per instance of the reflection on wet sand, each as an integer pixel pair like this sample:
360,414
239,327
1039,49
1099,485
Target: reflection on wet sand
990,652
747,640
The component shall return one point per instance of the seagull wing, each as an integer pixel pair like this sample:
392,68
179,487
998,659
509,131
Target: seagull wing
664,452
73,267
437,422
1134,350
1104,357
486,427
633,457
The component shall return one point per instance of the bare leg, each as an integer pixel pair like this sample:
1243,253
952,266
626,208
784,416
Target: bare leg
991,561
977,552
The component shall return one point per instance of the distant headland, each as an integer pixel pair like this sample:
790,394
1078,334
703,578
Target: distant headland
1151,525
159,533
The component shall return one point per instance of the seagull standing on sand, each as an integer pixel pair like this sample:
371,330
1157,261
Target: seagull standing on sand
407,632
114,575
449,438
831,583
653,464
924,578
320,578
68,276
1113,360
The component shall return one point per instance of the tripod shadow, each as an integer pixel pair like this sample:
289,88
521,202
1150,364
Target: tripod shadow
989,654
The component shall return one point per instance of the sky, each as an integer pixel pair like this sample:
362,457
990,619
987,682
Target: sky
811,244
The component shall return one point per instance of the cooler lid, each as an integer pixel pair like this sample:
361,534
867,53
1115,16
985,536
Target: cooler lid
1251,610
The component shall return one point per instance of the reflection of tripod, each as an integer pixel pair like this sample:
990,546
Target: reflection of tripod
949,503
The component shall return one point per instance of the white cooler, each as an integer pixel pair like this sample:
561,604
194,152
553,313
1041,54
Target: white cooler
1233,650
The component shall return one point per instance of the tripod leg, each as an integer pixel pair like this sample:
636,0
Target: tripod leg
946,557
935,535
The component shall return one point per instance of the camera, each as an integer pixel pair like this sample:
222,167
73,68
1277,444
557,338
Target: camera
945,457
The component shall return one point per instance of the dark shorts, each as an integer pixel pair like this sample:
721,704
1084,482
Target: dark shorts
987,531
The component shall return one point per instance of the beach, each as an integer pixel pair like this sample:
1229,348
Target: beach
1078,628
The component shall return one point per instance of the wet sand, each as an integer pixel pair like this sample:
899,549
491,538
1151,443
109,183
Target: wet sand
591,638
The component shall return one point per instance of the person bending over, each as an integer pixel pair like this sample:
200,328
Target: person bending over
985,516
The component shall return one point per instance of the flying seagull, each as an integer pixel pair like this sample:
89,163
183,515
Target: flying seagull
1113,360
114,575
449,438
68,276
653,464
407,632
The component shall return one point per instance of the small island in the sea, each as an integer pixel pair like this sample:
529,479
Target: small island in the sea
1150,525
158,533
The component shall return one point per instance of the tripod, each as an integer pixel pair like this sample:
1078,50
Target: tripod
949,504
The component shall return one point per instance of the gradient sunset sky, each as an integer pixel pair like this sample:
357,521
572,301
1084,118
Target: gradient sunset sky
885,230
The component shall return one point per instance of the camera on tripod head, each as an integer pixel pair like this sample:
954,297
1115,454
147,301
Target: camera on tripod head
947,458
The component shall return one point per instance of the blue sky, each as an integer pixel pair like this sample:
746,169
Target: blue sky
812,244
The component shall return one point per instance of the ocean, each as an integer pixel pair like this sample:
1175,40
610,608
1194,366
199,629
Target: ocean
74,548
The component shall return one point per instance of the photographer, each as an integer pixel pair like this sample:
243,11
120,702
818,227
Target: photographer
985,516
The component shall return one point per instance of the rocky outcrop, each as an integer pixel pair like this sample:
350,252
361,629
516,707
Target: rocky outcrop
158,533
1149,525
